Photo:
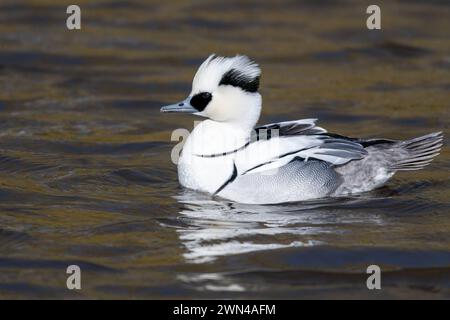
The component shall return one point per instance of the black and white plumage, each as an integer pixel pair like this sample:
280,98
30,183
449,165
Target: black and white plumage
227,156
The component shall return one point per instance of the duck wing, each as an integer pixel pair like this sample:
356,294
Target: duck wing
277,144
290,128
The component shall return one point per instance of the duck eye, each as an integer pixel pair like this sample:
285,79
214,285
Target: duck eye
201,100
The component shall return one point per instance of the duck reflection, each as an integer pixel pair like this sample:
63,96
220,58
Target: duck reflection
211,228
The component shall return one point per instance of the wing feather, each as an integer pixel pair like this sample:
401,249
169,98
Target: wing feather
296,139
296,127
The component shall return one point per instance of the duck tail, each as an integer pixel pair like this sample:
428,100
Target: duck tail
417,153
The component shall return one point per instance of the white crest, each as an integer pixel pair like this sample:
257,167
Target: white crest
211,71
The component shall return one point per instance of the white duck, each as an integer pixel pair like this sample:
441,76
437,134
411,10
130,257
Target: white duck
227,156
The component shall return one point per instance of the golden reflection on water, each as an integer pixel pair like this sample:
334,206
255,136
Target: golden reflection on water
85,171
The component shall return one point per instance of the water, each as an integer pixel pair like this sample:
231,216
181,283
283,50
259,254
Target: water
85,170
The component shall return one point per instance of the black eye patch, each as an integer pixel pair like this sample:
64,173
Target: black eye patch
201,100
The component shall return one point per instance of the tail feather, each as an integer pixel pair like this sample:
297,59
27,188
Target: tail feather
417,153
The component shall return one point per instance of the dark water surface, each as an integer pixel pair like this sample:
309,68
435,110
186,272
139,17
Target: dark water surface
85,170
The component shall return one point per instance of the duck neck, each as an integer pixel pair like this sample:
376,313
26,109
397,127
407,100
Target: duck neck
215,136
250,110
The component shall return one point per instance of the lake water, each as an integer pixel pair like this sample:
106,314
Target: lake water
85,170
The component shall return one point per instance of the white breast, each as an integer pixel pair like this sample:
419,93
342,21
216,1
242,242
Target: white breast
209,173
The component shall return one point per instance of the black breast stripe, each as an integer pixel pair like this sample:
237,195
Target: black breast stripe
255,137
223,153
231,179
